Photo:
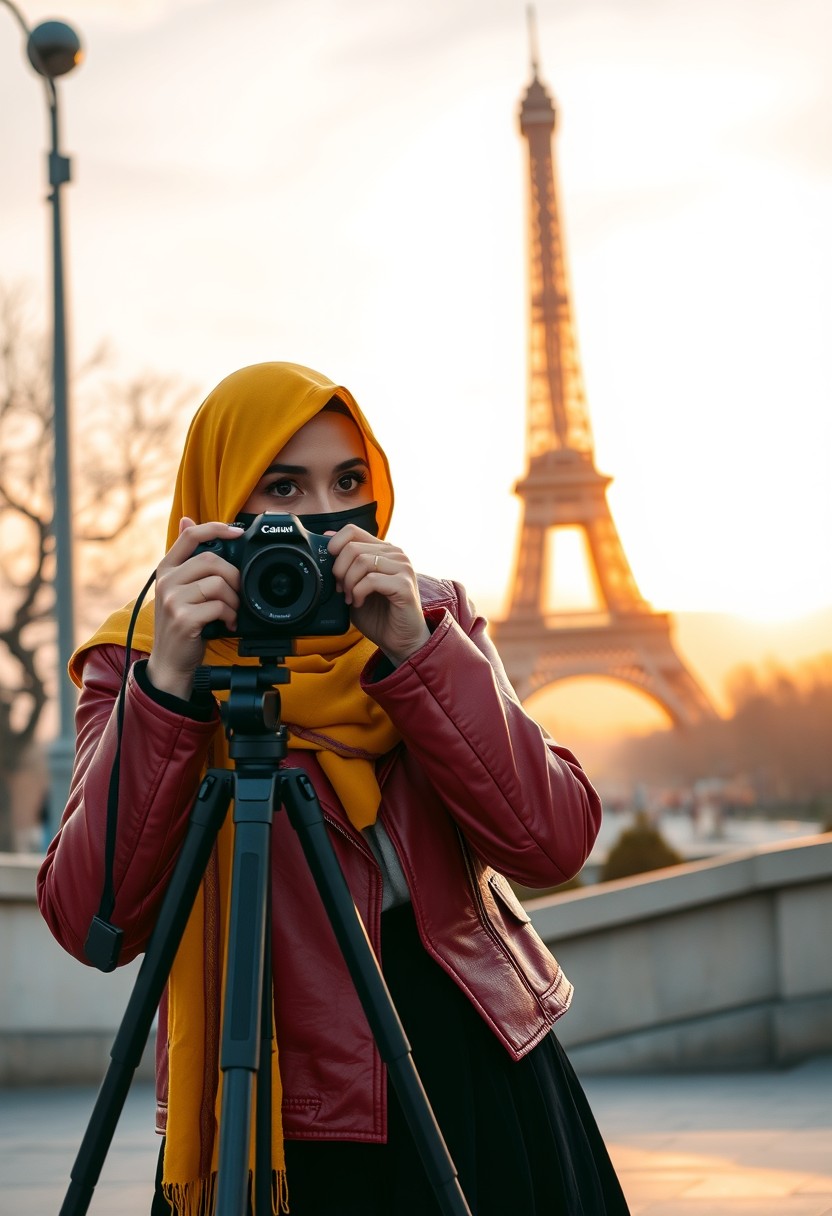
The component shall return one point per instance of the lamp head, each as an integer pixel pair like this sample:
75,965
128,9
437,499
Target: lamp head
54,48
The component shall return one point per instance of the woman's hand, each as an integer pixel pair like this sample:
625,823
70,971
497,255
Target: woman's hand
379,585
191,591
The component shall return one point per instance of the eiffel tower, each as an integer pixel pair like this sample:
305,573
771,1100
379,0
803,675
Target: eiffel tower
623,638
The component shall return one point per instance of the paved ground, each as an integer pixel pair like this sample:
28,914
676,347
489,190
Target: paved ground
759,1144
720,1145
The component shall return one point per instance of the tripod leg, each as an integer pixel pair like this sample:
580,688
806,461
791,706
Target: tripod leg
254,799
206,818
306,817
263,1105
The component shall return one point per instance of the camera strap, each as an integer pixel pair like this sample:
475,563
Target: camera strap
103,944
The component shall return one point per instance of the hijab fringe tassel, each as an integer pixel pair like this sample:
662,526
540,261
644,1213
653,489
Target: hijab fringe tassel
198,1198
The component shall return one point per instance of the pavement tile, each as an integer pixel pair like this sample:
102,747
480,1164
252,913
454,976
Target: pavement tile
634,1158
816,1184
657,1184
793,1206
746,1183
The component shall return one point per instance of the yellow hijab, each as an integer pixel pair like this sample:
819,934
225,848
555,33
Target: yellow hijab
234,436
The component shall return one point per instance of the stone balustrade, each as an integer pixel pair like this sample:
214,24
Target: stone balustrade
725,963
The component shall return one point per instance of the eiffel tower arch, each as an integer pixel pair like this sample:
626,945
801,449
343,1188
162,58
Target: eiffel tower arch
622,638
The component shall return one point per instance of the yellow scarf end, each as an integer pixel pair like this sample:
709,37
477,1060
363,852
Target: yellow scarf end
198,1198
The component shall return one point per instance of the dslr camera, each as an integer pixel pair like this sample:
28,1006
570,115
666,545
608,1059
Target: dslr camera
287,589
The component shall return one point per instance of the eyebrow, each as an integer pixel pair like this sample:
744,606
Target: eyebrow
299,469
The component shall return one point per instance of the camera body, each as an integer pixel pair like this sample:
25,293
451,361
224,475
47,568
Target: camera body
287,589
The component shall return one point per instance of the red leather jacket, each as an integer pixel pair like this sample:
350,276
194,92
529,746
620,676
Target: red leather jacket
476,790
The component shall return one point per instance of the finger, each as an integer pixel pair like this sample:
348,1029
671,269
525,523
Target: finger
347,535
352,565
386,578
189,619
186,587
357,551
364,589
214,589
371,567
173,575
182,589
191,535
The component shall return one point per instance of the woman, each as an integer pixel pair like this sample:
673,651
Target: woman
435,785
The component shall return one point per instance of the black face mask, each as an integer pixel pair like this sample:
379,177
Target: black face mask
330,521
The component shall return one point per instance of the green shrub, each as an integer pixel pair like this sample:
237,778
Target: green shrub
637,850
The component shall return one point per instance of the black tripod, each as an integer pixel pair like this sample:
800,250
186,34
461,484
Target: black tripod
259,787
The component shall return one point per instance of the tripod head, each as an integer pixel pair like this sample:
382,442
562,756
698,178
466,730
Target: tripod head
251,714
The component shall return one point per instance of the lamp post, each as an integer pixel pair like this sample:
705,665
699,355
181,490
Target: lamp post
53,49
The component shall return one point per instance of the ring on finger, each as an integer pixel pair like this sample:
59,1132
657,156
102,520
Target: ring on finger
375,562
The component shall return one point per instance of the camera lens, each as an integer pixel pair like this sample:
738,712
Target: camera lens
281,585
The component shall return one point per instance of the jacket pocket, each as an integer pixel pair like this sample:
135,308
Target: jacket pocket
502,890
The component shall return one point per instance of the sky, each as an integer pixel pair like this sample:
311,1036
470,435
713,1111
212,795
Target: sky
343,185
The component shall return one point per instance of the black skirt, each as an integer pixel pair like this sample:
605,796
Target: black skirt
521,1134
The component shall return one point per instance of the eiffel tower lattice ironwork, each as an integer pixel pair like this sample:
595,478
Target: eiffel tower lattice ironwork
624,638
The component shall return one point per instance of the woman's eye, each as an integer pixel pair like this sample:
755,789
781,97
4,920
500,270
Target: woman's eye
281,489
351,481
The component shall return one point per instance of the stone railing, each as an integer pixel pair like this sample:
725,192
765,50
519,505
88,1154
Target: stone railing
715,964
58,1018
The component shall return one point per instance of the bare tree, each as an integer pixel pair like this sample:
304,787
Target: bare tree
124,463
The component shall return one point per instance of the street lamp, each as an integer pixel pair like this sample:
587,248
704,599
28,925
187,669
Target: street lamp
53,49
